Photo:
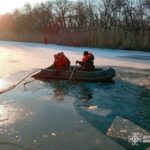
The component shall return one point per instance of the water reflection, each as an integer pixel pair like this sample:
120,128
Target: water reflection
59,88
86,93
2,84
3,55
11,113
2,110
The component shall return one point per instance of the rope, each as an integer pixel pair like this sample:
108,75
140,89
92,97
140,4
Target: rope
15,85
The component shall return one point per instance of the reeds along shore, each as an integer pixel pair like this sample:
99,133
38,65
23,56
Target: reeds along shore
114,39
121,24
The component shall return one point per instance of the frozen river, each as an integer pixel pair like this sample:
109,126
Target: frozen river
69,116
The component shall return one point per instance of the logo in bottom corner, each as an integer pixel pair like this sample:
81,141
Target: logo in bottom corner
135,138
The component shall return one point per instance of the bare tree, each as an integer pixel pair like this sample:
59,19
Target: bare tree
61,8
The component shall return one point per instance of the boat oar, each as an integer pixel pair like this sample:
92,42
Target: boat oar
73,72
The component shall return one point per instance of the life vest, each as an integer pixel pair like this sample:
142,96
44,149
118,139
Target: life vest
87,63
61,62
89,57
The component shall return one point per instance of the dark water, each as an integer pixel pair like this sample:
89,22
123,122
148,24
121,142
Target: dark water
122,99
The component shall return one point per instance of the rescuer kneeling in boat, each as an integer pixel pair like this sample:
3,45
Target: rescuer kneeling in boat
61,62
87,63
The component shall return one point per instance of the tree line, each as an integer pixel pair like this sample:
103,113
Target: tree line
106,23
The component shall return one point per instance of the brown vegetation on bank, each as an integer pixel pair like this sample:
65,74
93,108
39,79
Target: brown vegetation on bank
123,24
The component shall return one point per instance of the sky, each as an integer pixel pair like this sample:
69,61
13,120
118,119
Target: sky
10,5
7,6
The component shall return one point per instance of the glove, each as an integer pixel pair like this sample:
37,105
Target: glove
77,61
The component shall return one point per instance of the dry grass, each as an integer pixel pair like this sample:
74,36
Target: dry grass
89,38
22,36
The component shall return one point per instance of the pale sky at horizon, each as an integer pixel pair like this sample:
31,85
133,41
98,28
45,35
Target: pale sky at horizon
7,6
10,5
